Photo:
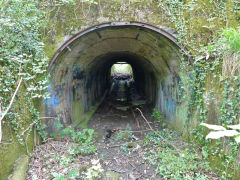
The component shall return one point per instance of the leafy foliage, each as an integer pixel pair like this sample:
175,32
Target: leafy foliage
22,55
159,117
214,50
123,135
169,164
83,141
220,131
95,171
231,38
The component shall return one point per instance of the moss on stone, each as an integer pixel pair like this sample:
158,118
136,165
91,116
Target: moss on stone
20,168
10,148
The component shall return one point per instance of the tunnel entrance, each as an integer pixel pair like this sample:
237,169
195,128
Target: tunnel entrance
82,76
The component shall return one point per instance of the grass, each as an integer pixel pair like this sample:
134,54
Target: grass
231,38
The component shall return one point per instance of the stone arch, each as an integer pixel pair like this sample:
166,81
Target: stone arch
79,71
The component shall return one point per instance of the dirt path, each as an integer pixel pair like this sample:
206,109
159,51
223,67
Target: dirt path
123,152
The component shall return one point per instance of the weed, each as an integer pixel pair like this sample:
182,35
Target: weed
231,39
73,174
129,147
159,117
83,141
154,139
170,164
84,136
95,171
124,148
58,176
65,160
83,149
151,138
121,135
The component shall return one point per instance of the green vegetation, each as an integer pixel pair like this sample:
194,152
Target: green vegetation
83,141
22,56
209,30
220,131
22,62
159,117
184,164
231,40
123,135
68,166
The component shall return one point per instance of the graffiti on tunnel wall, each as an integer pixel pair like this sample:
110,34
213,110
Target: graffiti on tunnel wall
65,87
78,73
170,97
72,92
54,107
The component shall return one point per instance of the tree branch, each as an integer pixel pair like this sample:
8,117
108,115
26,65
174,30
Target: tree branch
9,106
166,141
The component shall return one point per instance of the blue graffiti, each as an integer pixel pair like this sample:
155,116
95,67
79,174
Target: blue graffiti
53,100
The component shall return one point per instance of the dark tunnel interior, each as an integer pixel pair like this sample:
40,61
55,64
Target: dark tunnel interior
143,73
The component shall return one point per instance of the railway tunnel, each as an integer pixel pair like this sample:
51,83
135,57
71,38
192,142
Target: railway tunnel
80,76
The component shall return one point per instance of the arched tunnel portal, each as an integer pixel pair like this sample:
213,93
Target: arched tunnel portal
80,71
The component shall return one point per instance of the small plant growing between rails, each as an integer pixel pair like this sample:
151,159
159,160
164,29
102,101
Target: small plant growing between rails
83,141
123,135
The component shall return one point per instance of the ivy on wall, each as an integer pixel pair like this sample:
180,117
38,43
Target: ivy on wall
21,56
